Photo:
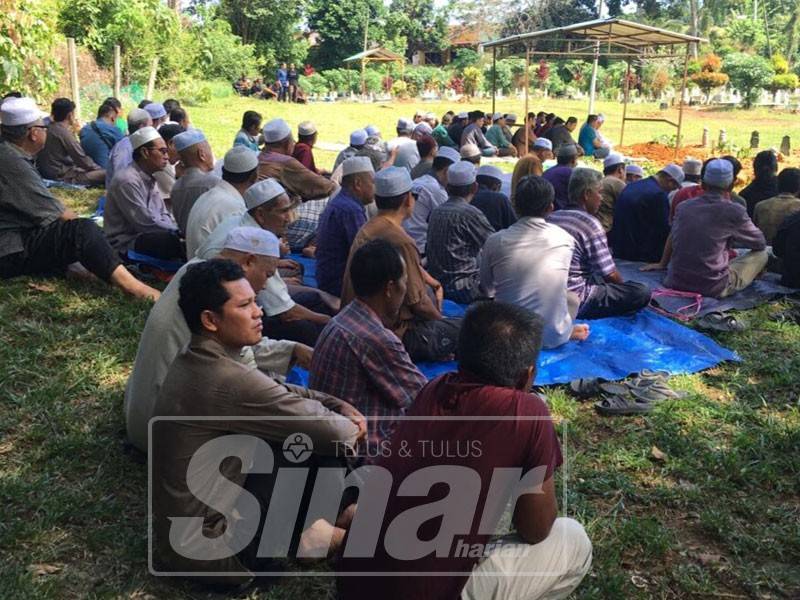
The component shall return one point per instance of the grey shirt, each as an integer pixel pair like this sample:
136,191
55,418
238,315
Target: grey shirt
25,203
474,135
187,189
134,206
62,157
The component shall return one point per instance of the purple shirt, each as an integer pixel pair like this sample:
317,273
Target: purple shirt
591,257
338,225
558,177
702,232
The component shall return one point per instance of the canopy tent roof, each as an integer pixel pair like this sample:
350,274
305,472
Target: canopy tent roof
627,38
376,55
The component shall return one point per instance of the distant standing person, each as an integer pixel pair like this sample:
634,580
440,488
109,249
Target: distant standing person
283,82
292,77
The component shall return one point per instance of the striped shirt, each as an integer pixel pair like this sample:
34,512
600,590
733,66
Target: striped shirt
591,258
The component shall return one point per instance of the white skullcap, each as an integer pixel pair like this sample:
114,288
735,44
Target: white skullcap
240,159
306,128
423,129
719,173
20,111
262,192
187,139
142,136
675,172
276,130
634,170
543,143
430,115
156,110
614,158
511,117
490,171
358,137
461,173
692,166
253,240
470,151
405,125
357,164
392,181
462,115
449,153
496,116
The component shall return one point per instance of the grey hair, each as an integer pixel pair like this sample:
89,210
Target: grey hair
580,182
137,119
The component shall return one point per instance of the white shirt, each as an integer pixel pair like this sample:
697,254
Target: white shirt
274,298
211,208
407,152
527,265
165,334
430,194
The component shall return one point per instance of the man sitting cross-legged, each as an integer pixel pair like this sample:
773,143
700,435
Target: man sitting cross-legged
447,493
425,333
38,235
292,317
217,459
528,264
357,357
165,333
591,260
197,179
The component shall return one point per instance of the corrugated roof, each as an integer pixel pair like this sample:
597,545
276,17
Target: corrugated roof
376,54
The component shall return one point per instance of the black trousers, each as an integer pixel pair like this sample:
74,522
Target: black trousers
432,341
49,250
165,245
614,299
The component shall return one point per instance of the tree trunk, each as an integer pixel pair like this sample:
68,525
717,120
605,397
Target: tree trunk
693,25
792,34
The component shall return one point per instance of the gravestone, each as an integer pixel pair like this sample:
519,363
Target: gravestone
705,137
754,139
786,145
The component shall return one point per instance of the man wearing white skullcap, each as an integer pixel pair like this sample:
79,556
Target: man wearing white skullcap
456,234
496,136
426,334
121,154
341,220
276,161
226,198
287,316
703,231
38,235
197,179
165,333
407,155
610,188
358,139
136,218
493,203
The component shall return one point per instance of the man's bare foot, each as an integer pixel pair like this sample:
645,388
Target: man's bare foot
123,279
580,332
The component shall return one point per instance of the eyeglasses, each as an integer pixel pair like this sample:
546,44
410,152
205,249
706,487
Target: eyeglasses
37,127
163,150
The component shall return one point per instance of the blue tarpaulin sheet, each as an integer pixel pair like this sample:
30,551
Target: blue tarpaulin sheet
616,348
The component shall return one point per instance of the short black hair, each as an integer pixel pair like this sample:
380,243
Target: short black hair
171,104
611,168
237,177
765,163
106,109
558,121
459,191
474,115
144,103
170,130
390,202
591,119
488,181
113,102
498,341
373,265
737,166
61,108
572,120
441,162
305,139
533,196
201,289
250,118
177,115
565,160
789,181
13,94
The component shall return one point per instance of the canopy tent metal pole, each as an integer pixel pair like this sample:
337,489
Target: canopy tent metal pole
680,106
494,78
626,92
527,86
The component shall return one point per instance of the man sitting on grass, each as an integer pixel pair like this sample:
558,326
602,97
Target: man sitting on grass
358,358
464,428
206,380
165,333
771,213
38,235
197,179
490,200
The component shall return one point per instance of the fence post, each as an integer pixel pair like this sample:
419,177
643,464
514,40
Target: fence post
117,72
73,75
151,82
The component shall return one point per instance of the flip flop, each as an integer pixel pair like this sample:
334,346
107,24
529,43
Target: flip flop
654,374
615,388
585,386
617,405
656,392
719,321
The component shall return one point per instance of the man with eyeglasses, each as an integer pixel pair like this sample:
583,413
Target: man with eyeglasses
38,235
136,218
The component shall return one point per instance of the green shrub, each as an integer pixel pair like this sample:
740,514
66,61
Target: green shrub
313,84
194,93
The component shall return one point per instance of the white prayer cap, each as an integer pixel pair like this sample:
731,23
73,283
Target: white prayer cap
692,166
511,118
392,181
614,158
253,240
449,153
156,110
470,151
187,139
276,130
306,128
674,171
543,143
601,118
419,113
423,129
357,164
372,131
430,115
240,159
142,136
490,171
496,116
461,173
719,173
20,111
462,115
634,170
262,192
358,137
405,125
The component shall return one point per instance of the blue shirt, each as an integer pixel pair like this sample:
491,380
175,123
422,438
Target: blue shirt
558,177
586,139
338,225
641,222
245,139
283,77
98,138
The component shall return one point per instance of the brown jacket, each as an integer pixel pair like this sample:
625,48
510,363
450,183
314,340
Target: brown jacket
292,175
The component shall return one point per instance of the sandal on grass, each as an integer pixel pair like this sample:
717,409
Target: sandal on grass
617,405
615,388
656,392
718,321
654,374
585,386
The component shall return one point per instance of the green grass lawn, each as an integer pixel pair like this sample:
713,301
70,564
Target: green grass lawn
717,515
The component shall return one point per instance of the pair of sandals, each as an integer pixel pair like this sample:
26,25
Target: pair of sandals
720,321
633,396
